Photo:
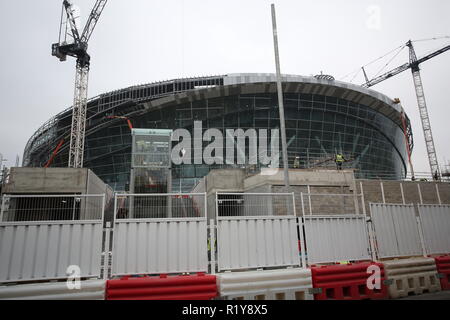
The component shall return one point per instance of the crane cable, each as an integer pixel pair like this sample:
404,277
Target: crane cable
428,39
400,48
395,56
368,64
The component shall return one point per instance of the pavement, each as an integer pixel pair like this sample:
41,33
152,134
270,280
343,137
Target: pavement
442,295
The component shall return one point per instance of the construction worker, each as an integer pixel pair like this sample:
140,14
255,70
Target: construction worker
436,176
339,161
297,162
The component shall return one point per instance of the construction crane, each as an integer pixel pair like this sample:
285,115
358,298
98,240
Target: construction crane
414,65
77,48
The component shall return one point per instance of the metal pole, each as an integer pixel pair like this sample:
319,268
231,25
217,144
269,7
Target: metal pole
382,192
403,193
302,235
103,208
438,195
2,208
217,235
363,199
280,100
420,193
371,239
212,240
107,245
422,239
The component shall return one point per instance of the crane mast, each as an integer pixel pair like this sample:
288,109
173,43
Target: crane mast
77,132
423,110
78,49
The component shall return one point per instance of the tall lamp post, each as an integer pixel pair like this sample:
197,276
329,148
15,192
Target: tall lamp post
280,100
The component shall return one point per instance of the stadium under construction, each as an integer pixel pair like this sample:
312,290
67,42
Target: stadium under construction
323,117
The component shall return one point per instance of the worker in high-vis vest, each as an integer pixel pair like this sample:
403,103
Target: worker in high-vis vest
339,161
297,162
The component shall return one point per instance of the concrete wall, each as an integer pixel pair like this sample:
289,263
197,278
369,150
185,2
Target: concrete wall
333,192
313,177
416,192
226,180
55,181
47,180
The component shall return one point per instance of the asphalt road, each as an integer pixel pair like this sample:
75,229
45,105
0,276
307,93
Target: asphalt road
442,295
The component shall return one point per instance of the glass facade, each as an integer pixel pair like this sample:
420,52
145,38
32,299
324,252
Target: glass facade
318,127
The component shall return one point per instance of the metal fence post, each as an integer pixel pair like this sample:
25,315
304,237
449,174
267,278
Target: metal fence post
206,205
403,193
302,236
309,200
422,241
438,195
373,250
217,207
107,245
217,222
303,203
420,193
103,208
2,208
115,207
363,199
212,241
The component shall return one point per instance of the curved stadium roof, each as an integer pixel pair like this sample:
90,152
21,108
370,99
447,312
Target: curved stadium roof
136,100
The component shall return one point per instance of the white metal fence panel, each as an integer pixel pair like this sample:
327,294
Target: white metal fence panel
169,237
256,242
256,230
160,246
24,208
38,250
254,204
396,230
336,238
435,221
42,235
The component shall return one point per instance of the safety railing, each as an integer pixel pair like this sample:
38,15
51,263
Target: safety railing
23,208
331,204
41,236
254,204
160,206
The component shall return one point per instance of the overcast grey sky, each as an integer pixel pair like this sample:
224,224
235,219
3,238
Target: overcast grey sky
142,41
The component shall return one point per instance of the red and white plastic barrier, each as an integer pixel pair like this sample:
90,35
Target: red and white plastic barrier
185,287
284,284
87,290
347,282
443,268
411,276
